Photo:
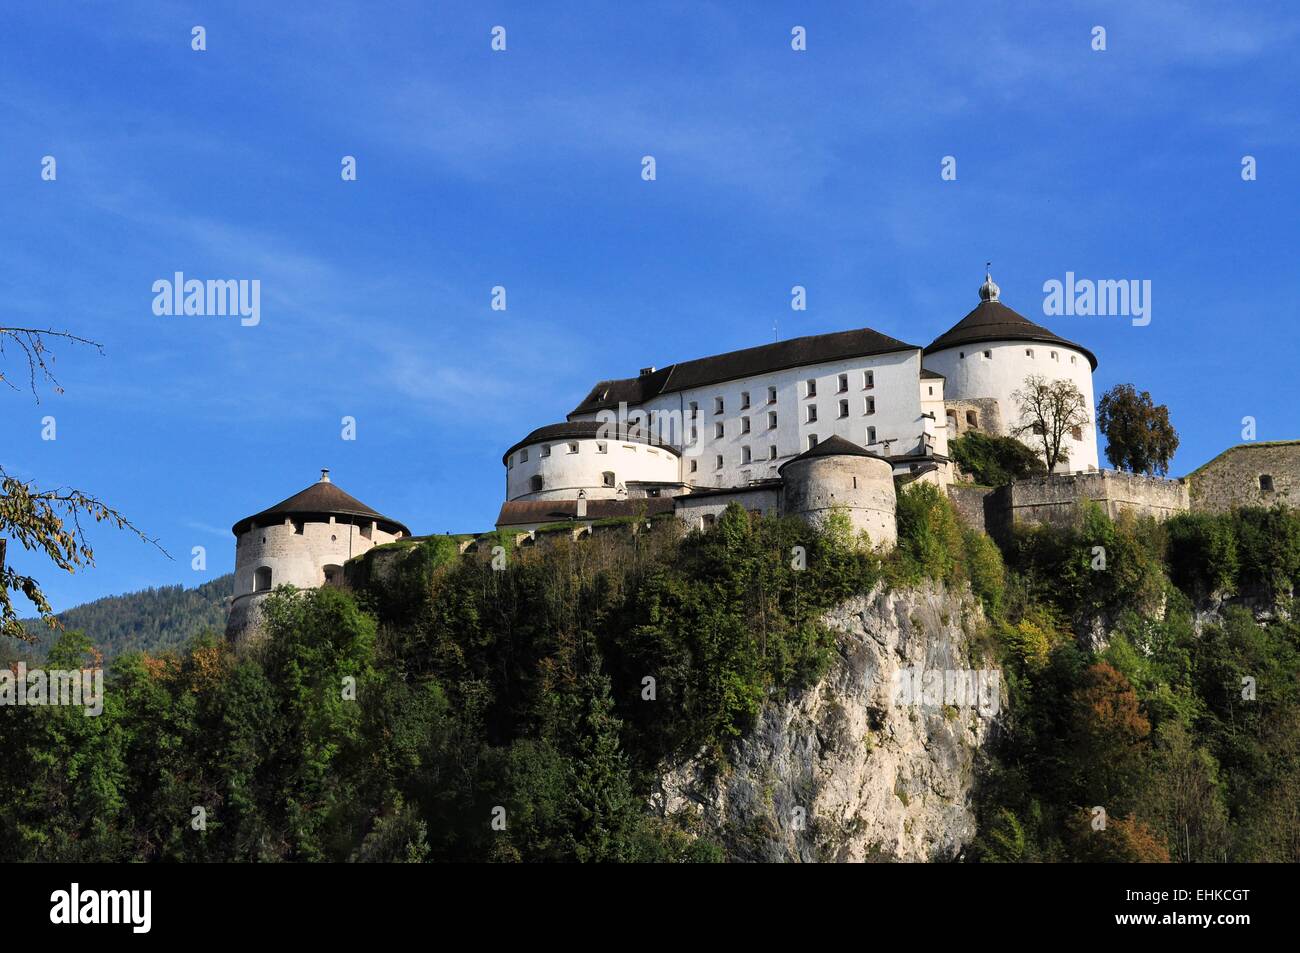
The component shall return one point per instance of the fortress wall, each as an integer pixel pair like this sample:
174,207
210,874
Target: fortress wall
1233,477
1054,499
693,510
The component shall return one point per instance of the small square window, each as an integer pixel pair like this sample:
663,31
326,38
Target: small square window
771,420
602,447
744,400
771,395
1029,352
717,405
546,449
1266,483
812,440
719,430
744,455
810,387
844,382
870,405
717,462
868,380
771,452
573,447
844,408
523,456
744,425
607,478
871,435
695,466
988,355
812,413
1076,433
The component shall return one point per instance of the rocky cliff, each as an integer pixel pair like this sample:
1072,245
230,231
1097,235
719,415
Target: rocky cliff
849,769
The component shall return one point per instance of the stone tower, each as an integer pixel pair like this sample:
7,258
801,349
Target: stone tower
838,474
302,541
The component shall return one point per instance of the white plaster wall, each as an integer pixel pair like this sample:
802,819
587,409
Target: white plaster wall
1004,372
897,415
861,486
300,559
564,474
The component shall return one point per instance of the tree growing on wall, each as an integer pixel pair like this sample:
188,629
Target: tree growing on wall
1139,436
1049,411
44,520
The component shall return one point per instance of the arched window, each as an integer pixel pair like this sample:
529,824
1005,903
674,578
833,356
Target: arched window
333,575
262,579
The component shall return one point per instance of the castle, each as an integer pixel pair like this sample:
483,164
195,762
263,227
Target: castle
803,427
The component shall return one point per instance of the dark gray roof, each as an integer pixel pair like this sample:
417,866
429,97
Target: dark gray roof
929,375
833,446
520,512
592,429
796,352
994,321
321,499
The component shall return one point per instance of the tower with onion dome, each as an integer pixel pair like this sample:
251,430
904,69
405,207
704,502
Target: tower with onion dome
986,357
302,541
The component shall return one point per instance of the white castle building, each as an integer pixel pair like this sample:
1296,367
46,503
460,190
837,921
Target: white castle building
699,434
801,427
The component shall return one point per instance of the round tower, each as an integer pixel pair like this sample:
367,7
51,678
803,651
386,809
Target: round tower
558,461
985,358
837,475
302,541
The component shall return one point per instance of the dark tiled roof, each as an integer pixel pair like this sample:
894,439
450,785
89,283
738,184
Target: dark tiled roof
520,512
597,429
994,321
833,446
929,375
321,499
796,352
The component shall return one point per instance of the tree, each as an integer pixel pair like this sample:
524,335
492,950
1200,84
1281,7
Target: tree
991,460
1048,411
48,521
1139,436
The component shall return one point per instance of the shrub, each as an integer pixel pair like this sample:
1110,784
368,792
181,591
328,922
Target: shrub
994,461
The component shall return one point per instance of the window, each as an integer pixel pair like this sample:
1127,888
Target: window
844,408
1038,429
1266,482
771,452
962,355
812,440
812,413
744,400
695,433
523,456
744,425
546,449
607,478
810,387
1073,359
870,405
719,430
262,579
510,462
1029,352
1055,356
535,484
1076,433
602,447
717,462
871,435
707,520
771,420
717,405
972,419
297,527
573,446
868,380
745,455
695,408
333,575
931,390
844,382
988,355
695,466
771,395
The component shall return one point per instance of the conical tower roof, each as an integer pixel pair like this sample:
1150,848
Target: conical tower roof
322,498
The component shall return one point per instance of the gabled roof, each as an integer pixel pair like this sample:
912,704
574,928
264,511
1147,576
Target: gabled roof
322,498
589,429
993,321
764,359
833,446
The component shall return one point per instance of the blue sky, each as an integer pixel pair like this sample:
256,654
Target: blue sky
522,169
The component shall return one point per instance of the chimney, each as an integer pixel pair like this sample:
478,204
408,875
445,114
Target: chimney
646,370
324,475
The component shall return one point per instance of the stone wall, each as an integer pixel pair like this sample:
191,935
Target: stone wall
1055,499
1234,477
970,502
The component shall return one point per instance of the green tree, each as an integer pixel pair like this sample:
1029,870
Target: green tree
1139,436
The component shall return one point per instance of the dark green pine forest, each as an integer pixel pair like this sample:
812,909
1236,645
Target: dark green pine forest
398,719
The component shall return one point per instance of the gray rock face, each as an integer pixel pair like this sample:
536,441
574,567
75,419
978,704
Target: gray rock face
844,771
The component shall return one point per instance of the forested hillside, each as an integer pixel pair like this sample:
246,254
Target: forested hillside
446,710
146,621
